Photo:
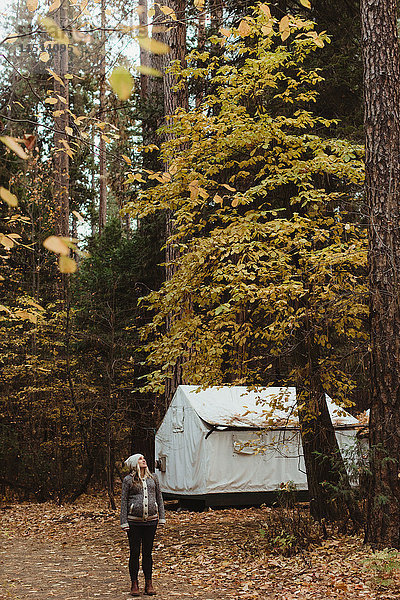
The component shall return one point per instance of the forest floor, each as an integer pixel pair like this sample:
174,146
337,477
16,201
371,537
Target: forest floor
79,553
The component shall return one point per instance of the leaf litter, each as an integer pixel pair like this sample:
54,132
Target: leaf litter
77,552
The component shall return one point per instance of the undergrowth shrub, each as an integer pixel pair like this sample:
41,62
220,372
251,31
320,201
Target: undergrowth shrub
385,567
287,529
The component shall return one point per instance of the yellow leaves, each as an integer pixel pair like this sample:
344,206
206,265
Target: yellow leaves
268,28
25,315
81,37
306,3
61,245
44,57
150,148
145,70
153,46
318,41
11,38
56,244
244,28
218,199
66,264
265,9
173,168
67,149
7,240
78,216
54,6
8,197
53,30
126,159
196,190
284,28
169,12
235,202
13,145
137,177
229,187
32,5
199,4
55,76
69,130
121,82
51,100
78,120
225,32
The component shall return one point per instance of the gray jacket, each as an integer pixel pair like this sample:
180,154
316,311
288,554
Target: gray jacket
141,501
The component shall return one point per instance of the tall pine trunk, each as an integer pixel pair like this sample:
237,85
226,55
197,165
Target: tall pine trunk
102,143
61,122
175,37
382,137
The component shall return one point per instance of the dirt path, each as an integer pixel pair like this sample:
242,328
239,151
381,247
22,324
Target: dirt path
79,553
49,552
39,571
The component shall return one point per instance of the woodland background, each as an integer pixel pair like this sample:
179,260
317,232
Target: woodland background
198,169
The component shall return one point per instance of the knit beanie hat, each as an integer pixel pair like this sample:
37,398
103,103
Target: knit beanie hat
132,462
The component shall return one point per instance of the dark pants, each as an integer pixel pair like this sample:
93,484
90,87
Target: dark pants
141,534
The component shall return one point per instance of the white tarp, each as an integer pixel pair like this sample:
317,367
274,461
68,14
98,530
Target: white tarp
201,461
264,407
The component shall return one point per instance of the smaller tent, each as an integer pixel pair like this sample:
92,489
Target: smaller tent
234,445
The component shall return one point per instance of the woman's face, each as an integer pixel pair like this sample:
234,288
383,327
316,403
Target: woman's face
142,462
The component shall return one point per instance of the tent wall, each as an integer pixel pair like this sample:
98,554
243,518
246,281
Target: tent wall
229,466
245,461
181,439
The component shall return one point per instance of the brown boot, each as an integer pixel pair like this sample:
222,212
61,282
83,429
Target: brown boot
135,588
148,589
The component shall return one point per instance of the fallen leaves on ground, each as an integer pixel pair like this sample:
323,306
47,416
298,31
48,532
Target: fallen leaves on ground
214,552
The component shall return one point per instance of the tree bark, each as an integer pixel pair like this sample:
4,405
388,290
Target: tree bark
216,14
175,37
327,479
102,144
61,158
144,54
382,138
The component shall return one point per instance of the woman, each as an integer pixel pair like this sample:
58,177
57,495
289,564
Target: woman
142,508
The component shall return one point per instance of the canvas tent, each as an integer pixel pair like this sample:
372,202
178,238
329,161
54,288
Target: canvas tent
231,445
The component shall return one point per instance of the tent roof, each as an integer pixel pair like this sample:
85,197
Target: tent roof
239,407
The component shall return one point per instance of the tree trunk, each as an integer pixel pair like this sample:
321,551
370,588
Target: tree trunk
216,14
382,136
151,91
201,43
175,37
327,478
61,158
144,54
102,144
